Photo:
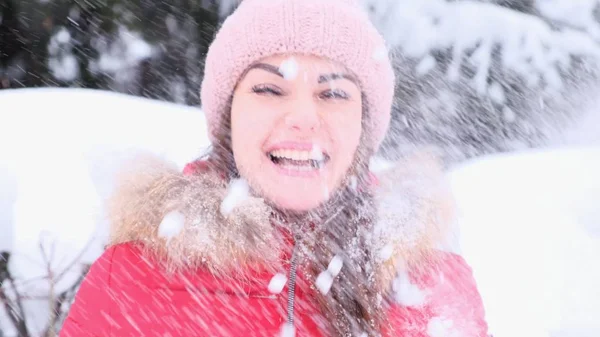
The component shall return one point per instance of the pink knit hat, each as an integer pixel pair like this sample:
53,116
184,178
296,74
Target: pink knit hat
338,30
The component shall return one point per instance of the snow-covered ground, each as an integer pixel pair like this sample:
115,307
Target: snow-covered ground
530,225
530,228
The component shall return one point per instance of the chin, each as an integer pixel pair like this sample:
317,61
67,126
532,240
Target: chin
296,205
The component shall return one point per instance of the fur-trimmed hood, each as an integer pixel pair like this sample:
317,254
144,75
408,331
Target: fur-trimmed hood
177,217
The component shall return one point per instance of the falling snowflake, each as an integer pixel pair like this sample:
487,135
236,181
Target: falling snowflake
288,330
335,266
237,192
441,327
380,53
171,225
324,282
277,283
386,252
316,153
407,293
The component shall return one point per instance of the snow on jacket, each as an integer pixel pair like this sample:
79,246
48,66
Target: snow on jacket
211,277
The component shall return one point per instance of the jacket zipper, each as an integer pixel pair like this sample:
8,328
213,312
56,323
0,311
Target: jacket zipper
292,287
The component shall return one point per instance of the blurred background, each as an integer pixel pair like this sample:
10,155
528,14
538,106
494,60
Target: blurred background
505,91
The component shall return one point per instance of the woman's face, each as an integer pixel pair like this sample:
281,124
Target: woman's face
296,123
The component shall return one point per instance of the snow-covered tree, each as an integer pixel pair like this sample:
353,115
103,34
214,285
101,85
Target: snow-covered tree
485,76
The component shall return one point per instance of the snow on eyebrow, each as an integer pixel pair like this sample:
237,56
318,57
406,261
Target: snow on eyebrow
289,69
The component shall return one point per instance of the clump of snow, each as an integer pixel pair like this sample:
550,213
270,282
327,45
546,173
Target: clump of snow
379,165
277,283
62,63
120,57
237,192
316,153
289,69
380,53
353,183
171,225
426,65
407,293
441,327
324,282
508,114
335,266
288,330
386,252
496,93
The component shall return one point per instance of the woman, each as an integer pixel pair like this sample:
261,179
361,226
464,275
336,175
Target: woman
282,229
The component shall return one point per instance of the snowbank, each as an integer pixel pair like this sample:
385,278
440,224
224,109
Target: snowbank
59,152
530,228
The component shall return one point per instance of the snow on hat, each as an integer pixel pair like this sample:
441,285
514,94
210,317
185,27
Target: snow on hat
339,30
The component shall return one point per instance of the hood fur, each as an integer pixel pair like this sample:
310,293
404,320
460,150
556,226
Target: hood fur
415,214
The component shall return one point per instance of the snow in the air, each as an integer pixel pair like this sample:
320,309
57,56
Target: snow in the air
171,225
335,265
119,57
441,327
406,292
324,282
277,283
386,252
237,192
316,153
61,62
289,69
379,165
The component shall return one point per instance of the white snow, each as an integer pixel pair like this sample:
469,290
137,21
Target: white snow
531,48
289,69
324,282
379,165
62,63
288,330
530,229
277,283
335,266
316,153
120,57
386,252
441,327
237,192
380,53
407,293
171,225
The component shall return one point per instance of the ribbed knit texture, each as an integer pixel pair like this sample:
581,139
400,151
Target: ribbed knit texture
338,30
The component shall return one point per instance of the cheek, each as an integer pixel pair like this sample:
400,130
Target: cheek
348,131
249,130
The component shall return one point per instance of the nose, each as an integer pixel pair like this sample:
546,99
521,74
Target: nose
303,115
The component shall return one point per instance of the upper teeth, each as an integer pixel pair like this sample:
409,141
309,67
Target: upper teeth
298,155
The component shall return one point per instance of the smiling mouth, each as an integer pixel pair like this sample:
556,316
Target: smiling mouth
298,160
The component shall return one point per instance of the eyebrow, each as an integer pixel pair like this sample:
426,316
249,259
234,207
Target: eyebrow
322,78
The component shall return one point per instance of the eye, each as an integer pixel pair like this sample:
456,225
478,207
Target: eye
334,94
263,89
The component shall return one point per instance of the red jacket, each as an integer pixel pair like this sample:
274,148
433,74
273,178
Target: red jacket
129,293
